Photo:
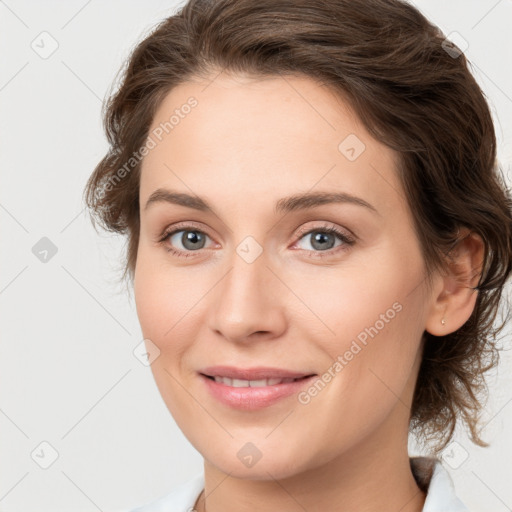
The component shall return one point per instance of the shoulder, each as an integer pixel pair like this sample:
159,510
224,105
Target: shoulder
433,478
181,499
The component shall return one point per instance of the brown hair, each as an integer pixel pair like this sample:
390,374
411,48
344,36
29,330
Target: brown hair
413,92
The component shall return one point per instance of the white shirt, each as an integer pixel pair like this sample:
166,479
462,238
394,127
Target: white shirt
429,473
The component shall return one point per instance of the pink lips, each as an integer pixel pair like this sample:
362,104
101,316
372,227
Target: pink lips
253,398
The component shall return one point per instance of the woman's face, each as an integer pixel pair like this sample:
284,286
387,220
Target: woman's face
256,281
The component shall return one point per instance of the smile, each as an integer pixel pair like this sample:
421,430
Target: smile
252,395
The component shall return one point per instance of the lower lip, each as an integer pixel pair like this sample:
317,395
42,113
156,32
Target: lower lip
250,399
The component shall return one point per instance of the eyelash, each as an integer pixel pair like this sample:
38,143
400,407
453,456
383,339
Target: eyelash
348,241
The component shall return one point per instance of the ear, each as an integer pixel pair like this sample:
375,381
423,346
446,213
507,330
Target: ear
454,299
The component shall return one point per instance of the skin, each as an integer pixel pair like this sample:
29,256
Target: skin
248,143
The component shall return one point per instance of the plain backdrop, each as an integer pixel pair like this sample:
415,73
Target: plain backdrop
82,425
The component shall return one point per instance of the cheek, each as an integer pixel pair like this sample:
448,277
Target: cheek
159,298
369,319
342,304
163,306
168,302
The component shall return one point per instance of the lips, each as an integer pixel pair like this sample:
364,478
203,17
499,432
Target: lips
252,394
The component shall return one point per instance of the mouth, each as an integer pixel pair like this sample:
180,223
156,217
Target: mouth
253,394
256,383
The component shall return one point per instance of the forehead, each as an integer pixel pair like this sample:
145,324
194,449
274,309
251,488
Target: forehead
264,136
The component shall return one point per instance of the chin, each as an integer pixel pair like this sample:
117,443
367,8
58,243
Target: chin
252,461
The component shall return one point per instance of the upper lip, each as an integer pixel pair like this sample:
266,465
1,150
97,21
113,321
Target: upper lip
255,373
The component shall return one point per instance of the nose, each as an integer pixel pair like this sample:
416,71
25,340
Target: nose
248,302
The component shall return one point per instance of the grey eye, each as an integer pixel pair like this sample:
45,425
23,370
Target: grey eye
190,240
320,240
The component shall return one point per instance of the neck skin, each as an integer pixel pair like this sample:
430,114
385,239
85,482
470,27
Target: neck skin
370,484
372,476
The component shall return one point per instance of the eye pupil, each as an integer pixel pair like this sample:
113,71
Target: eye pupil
320,238
192,237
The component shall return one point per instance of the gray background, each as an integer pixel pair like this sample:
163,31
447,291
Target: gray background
68,376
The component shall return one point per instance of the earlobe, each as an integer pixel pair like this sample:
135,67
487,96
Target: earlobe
454,300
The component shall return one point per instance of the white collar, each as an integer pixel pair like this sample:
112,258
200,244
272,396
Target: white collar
433,478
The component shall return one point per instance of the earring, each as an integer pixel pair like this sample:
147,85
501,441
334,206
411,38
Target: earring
443,321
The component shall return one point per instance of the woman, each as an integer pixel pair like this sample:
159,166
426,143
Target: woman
244,137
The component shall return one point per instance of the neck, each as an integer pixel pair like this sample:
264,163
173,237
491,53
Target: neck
370,478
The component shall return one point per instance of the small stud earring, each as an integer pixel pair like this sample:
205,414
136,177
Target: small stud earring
443,321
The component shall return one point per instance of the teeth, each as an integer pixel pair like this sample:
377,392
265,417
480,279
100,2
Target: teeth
240,383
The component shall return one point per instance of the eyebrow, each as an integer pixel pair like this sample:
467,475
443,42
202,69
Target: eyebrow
287,204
